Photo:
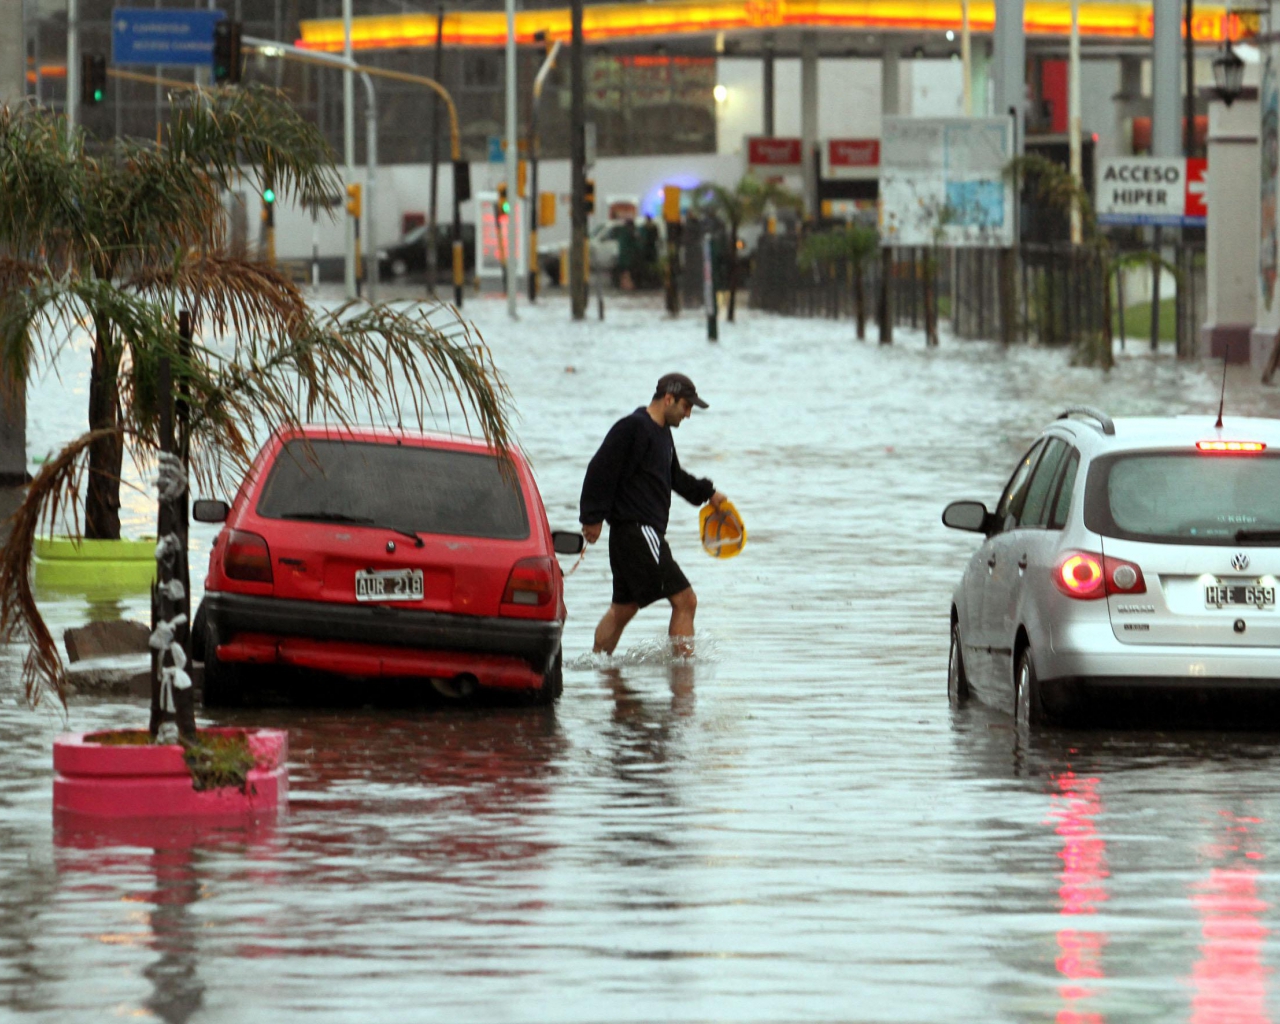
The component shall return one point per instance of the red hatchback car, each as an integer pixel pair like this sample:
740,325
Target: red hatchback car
367,552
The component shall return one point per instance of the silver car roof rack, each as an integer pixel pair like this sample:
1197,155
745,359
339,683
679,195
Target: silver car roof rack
1106,423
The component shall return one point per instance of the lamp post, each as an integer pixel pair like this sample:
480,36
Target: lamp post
1228,74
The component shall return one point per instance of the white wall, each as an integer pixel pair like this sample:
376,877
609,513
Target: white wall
405,188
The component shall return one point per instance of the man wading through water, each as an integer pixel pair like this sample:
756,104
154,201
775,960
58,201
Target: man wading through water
629,484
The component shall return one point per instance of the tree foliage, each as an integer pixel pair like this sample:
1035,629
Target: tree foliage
119,240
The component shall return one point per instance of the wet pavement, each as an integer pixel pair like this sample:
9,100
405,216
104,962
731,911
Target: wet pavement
792,827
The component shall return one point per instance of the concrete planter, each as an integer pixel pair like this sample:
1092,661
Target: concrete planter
124,781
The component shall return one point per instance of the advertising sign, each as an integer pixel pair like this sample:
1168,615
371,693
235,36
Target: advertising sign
943,181
1168,191
763,151
851,158
157,36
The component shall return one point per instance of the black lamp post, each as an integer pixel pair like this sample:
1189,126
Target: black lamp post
1228,74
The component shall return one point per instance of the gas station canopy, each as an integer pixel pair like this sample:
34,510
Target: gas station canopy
620,22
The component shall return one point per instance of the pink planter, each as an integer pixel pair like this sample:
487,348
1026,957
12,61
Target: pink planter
153,781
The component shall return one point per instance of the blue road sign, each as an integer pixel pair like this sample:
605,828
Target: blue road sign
497,151
140,36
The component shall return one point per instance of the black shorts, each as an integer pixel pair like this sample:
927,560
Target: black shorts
643,568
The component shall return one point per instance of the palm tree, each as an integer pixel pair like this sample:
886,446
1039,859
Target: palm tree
124,239
1056,188
747,202
851,246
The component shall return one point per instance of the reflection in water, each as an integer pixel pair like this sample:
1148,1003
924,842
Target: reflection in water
1084,866
1229,978
166,857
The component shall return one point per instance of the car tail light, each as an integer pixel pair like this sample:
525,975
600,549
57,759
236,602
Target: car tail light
530,583
1231,447
1087,577
247,558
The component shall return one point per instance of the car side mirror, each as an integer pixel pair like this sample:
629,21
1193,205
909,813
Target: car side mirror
967,515
209,510
567,543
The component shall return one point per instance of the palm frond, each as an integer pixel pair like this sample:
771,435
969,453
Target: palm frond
54,491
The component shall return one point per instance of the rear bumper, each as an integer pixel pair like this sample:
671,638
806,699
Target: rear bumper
1090,653
377,640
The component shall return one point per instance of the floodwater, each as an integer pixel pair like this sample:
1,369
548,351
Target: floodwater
794,826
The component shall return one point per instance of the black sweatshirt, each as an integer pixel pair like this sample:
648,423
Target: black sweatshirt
631,477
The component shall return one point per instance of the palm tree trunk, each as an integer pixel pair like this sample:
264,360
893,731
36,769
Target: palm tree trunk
930,299
860,300
733,273
106,455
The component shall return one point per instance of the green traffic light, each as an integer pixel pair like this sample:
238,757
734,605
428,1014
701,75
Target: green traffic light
269,195
97,95
506,208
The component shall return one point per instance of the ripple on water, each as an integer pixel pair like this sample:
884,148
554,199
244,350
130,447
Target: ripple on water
791,825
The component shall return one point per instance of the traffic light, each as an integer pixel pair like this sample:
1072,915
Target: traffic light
269,206
504,205
354,199
522,176
589,197
226,51
93,78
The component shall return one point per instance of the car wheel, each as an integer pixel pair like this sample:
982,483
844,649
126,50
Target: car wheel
552,682
1027,706
957,681
399,268
223,683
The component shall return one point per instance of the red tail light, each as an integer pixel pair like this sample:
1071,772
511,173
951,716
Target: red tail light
530,584
1231,447
247,558
1087,577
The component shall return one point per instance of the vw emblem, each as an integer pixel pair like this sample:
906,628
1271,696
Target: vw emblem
1240,562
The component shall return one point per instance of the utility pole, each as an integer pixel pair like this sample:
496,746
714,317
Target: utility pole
72,106
1073,121
513,159
349,143
432,258
578,159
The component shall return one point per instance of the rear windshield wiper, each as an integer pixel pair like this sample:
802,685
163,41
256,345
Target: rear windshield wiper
342,517
1264,535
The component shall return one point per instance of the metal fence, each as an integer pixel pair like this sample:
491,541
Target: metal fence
1058,289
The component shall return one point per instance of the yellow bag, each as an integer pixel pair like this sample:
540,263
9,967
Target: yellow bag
723,534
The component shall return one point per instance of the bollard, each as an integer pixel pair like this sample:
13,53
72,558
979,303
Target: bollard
709,289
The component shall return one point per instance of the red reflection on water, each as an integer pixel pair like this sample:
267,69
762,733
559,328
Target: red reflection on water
1229,978
1084,866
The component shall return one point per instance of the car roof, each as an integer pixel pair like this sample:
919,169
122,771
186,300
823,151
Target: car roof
372,434
1145,432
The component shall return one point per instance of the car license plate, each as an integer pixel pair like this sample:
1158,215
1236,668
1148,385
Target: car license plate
389,585
1248,596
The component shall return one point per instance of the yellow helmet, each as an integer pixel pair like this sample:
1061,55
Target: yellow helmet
723,534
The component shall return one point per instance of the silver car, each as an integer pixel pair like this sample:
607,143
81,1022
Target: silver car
1128,554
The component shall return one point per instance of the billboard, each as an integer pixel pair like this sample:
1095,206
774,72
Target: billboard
943,181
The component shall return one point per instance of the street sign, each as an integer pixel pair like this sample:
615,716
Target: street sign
1165,191
766,151
141,36
497,151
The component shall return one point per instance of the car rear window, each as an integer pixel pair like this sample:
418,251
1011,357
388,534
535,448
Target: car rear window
425,490
1182,497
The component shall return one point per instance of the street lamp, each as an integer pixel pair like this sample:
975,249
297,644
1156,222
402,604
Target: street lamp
1228,74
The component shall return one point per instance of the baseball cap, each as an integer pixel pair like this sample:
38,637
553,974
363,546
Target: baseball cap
679,385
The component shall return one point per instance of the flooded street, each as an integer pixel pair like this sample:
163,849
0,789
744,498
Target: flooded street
792,827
